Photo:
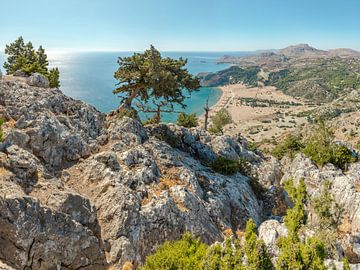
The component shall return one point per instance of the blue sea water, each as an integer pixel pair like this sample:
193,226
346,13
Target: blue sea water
88,76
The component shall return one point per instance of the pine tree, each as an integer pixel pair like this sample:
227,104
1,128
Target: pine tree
148,74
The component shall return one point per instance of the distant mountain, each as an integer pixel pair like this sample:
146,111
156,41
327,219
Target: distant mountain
280,58
301,50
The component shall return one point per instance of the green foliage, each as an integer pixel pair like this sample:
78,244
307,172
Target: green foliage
187,253
24,57
346,264
187,120
148,74
225,166
128,112
227,257
327,210
321,80
164,133
320,147
328,213
53,77
296,253
219,121
1,132
257,257
289,147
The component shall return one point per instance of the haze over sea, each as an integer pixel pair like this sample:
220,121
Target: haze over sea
88,76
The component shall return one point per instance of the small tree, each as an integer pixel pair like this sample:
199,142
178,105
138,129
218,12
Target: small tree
219,121
145,75
296,253
187,253
187,120
224,257
23,57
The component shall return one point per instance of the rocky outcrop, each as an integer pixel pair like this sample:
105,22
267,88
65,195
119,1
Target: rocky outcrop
344,188
38,80
78,190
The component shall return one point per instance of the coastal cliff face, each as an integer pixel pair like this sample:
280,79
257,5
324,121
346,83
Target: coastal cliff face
80,189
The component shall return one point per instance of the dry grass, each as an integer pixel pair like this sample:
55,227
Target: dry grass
128,266
228,232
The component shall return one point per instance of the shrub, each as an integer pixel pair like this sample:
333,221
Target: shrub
257,256
295,252
1,132
187,253
225,166
346,264
328,213
187,120
219,121
289,147
227,257
320,147
164,133
129,112
24,57
53,77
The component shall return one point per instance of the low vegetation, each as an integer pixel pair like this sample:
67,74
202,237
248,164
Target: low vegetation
219,121
23,57
328,215
248,252
1,131
187,120
319,146
322,80
225,166
289,147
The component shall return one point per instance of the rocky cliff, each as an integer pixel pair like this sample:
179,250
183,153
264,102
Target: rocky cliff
84,190
80,189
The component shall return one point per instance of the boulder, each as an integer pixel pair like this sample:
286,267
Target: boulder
20,73
38,80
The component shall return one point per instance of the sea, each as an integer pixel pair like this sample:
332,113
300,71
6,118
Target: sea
89,76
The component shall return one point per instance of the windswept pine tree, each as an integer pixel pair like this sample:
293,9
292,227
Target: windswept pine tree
149,75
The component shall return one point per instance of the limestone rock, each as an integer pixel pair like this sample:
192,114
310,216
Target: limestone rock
269,232
38,80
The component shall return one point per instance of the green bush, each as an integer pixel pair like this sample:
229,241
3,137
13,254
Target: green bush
22,56
1,132
227,257
328,217
294,252
219,121
225,166
289,147
187,253
164,133
128,112
320,147
257,256
187,120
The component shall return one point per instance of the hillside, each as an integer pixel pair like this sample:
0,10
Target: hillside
299,71
106,190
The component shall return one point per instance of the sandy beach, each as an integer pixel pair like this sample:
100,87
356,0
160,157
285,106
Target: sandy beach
260,112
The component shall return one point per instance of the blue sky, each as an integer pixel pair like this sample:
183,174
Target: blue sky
181,25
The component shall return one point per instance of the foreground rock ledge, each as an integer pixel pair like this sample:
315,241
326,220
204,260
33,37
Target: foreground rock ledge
79,189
